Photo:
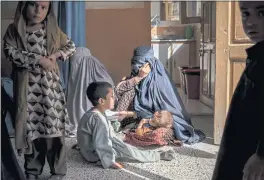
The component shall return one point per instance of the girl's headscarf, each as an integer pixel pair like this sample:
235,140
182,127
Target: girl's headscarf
16,32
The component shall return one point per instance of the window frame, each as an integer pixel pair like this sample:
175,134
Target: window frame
183,19
183,15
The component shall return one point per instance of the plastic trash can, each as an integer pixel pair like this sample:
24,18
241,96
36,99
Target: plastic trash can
192,82
182,76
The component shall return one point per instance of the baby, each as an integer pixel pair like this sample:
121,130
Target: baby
161,118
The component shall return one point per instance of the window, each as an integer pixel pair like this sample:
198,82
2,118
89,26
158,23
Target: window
193,9
172,10
185,12
190,12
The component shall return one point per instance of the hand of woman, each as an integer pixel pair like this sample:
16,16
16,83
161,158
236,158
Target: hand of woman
121,115
144,71
254,168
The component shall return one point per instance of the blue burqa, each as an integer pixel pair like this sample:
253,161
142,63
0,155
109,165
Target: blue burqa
158,92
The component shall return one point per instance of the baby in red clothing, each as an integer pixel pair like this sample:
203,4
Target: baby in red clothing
161,119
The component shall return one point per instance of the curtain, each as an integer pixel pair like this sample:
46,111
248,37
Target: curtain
71,20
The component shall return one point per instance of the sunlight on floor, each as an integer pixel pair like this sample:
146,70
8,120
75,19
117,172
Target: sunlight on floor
192,162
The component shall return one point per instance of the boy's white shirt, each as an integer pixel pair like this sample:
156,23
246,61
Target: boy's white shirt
111,115
98,135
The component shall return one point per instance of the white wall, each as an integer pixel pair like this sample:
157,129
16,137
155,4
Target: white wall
155,8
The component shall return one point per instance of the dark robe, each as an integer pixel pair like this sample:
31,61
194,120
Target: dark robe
243,134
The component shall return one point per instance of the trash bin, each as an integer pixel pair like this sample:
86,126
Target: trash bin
192,83
182,76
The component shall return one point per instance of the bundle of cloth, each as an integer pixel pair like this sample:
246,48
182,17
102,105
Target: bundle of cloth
158,92
84,69
159,136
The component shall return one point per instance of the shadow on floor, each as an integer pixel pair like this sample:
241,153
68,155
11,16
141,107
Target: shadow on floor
209,140
187,151
129,172
206,124
144,173
79,169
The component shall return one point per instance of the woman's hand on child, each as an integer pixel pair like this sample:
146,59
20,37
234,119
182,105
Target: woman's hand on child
121,115
254,168
124,114
117,165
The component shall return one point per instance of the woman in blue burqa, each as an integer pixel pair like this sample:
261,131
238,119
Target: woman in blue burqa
153,92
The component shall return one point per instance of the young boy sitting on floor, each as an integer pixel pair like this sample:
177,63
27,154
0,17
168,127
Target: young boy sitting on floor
96,138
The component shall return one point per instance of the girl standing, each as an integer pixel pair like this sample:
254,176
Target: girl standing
33,42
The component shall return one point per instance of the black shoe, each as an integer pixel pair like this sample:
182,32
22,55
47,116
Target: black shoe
31,177
56,177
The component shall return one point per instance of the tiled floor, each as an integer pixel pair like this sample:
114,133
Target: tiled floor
195,107
195,162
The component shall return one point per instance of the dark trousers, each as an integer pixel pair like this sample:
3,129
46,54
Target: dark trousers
52,148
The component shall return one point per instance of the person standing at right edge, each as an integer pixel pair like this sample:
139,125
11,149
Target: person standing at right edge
241,154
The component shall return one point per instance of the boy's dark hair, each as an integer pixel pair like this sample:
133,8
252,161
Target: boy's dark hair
97,90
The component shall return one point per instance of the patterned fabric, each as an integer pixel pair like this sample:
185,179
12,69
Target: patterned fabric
145,128
47,115
125,92
160,136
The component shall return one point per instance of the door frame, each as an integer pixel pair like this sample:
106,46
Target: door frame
230,55
204,48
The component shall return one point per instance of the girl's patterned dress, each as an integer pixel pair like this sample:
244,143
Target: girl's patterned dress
47,114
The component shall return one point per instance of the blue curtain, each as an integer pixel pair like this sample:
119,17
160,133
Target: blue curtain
71,20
